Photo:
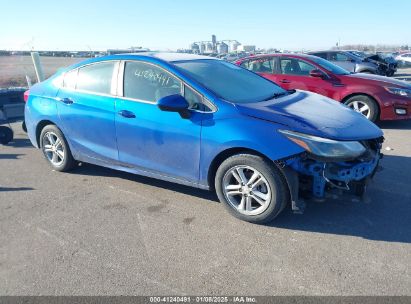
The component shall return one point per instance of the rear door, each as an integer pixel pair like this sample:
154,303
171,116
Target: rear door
86,110
152,140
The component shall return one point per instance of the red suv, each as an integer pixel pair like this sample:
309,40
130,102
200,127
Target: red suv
377,97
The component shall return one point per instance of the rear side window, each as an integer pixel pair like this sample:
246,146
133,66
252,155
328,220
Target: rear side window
96,78
70,79
261,65
148,82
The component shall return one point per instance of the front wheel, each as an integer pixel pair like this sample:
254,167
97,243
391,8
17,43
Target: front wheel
56,149
252,188
364,105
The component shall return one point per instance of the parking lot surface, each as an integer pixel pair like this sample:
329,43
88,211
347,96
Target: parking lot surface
95,231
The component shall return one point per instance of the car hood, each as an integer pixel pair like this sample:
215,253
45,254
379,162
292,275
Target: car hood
313,114
381,79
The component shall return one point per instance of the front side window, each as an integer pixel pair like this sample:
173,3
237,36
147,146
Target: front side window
261,65
292,66
148,82
230,82
96,78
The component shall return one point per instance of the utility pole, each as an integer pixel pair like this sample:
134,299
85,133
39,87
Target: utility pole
37,66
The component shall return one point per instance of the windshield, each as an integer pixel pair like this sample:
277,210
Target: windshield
230,82
335,69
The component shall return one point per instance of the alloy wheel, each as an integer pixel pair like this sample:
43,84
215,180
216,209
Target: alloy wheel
360,107
246,190
53,148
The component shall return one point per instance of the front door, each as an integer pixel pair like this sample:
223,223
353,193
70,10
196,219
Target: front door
149,139
294,73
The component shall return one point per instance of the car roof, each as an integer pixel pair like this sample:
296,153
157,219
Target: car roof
293,55
167,56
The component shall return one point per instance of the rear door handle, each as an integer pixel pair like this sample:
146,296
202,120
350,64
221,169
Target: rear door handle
67,100
284,81
127,114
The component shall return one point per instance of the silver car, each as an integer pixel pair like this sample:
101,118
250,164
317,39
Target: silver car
349,61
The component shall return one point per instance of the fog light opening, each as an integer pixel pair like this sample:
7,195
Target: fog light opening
400,111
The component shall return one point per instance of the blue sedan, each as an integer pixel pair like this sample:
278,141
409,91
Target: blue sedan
206,123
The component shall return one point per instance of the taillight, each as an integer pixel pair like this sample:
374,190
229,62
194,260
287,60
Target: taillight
26,95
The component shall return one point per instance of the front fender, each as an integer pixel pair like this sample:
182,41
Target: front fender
242,133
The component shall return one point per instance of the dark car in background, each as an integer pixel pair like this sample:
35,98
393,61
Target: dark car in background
355,63
376,97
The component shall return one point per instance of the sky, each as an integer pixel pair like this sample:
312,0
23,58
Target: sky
173,24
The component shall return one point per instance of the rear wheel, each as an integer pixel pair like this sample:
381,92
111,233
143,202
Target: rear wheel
55,149
251,188
364,105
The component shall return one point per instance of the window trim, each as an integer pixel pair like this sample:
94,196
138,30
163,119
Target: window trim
113,84
117,81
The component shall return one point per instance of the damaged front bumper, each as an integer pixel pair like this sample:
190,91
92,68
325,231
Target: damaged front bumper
310,177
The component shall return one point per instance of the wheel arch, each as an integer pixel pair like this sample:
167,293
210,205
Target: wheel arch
40,126
223,155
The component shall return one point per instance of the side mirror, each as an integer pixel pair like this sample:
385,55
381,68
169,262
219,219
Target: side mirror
174,103
317,73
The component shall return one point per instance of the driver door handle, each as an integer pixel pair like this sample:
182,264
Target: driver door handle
126,114
67,100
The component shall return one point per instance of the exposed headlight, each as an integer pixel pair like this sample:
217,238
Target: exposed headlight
399,91
324,147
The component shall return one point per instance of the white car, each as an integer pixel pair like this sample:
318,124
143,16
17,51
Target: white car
404,59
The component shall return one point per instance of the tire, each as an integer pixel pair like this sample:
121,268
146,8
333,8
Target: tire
23,126
390,73
362,100
242,201
6,135
55,149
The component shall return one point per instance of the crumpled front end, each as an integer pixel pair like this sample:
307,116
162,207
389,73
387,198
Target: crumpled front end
313,177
